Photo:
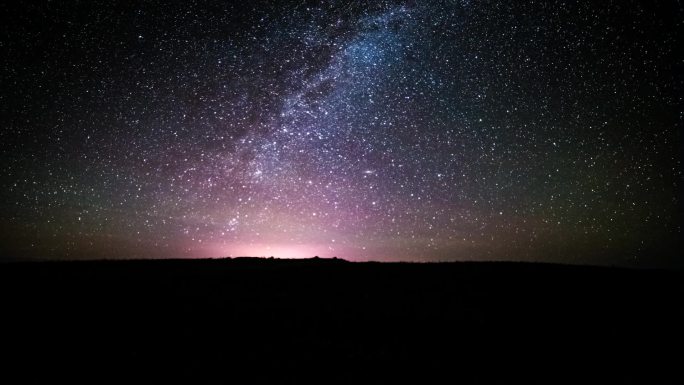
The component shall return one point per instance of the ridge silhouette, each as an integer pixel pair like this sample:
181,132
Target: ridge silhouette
261,321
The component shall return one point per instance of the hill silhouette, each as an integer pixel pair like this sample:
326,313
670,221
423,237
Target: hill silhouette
259,321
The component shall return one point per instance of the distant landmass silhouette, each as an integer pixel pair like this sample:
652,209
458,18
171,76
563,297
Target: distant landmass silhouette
329,321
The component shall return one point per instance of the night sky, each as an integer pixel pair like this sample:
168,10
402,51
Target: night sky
390,131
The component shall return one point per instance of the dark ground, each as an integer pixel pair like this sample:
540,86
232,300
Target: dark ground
324,321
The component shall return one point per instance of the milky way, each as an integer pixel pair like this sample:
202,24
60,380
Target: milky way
409,131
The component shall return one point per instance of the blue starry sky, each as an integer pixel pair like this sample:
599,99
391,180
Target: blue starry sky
390,130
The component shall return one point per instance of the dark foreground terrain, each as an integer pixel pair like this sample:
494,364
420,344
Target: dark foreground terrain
333,322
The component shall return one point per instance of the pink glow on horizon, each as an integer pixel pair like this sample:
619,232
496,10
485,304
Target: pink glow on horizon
286,250
279,250
276,250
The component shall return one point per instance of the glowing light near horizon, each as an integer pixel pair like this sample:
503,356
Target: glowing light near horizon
276,250
283,251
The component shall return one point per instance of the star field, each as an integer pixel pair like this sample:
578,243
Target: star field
393,131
